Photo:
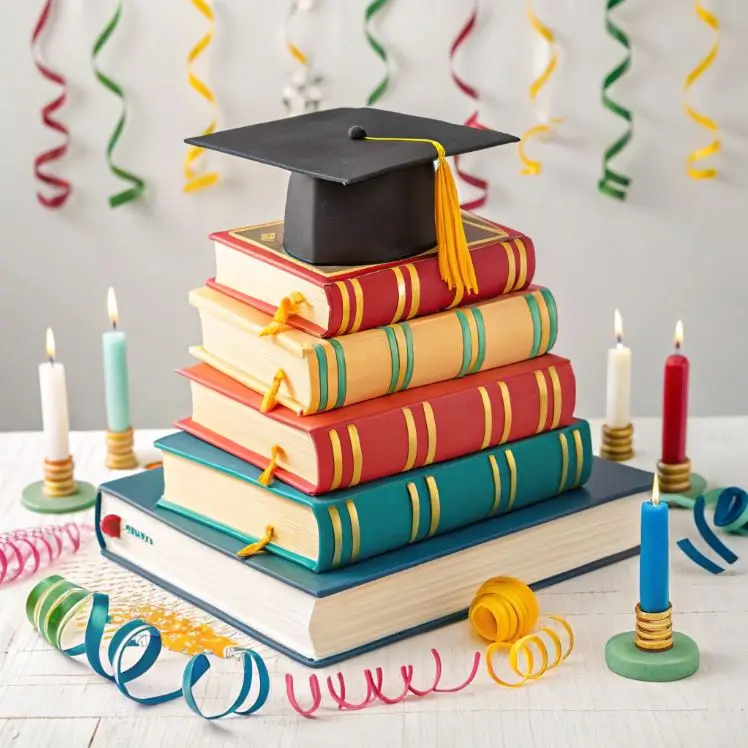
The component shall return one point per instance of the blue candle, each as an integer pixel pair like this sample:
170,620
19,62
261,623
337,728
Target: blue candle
114,347
654,573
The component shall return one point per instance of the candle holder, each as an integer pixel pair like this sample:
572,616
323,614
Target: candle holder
617,443
119,451
677,478
59,492
653,651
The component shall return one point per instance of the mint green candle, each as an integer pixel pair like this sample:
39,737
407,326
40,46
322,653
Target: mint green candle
117,388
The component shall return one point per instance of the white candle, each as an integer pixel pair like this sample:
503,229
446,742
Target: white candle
54,405
618,411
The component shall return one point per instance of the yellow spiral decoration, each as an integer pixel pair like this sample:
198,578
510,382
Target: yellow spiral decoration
195,181
531,167
701,119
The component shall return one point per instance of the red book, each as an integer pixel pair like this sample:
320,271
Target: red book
388,435
253,267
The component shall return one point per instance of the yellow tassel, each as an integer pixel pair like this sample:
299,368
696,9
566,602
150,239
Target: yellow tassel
288,306
455,263
267,474
253,548
270,398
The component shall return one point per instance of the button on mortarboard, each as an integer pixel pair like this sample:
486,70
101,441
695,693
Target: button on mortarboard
353,199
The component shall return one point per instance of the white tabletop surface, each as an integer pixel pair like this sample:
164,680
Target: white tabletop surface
47,699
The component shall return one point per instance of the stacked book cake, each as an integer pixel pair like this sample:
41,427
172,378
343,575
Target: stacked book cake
378,423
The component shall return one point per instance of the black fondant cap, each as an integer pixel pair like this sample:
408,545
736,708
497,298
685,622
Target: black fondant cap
350,200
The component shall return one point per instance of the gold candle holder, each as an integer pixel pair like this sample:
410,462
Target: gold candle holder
119,451
674,478
59,492
58,477
617,443
654,631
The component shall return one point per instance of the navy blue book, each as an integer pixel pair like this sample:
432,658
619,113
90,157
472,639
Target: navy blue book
319,619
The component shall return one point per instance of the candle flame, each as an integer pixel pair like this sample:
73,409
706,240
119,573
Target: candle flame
618,325
655,491
678,334
50,344
111,305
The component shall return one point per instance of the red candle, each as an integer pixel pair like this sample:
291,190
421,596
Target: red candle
675,410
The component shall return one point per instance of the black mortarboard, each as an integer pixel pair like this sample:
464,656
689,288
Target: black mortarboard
363,187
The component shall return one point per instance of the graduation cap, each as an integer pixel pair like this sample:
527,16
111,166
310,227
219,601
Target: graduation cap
363,187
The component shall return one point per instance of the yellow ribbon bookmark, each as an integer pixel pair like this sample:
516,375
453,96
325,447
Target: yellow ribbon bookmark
253,548
712,21
270,398
195,181
267,474
288,305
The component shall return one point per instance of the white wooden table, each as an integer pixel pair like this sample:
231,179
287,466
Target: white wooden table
48,699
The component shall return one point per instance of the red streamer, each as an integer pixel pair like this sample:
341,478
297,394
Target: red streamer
62,187
374,685
472,121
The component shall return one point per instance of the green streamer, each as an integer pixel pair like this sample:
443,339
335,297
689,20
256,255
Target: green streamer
371,10
613,183
137,185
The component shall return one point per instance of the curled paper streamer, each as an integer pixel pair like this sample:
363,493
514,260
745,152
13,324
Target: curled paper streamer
701,119
193,180
137,184
472,121
54,603
371,10
23,552
531,167
303,94
613,183
60,186
505,612
375,688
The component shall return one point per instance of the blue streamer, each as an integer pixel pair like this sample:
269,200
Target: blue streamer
707,533
698,557
731,512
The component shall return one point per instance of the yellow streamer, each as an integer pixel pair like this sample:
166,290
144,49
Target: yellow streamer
193,180
304,87
532,167
505,612
696,173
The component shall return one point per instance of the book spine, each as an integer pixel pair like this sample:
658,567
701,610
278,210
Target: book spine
415,289
411,508
402,439
355,368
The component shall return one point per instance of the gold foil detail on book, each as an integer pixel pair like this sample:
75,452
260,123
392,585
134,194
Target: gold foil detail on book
487,417
337,535
507,403
522,275
355,530
337,459
458,298
358,294
415,503
564,462
543,394
415,290
430,433
410,425
511,275
332,374
345,301
474,347
358,457
269,237
435,506
402,350
545,322
496,484
557,397
512,463
580,455
400,278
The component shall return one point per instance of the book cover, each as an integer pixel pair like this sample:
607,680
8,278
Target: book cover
365,365
364,297
374,518
410,429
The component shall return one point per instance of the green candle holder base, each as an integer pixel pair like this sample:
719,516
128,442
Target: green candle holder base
36,500
624,658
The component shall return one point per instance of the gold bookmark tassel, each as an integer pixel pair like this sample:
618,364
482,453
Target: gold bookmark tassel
270,398
288,305
267,474
253,548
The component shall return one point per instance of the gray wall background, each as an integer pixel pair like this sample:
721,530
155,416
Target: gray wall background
676,249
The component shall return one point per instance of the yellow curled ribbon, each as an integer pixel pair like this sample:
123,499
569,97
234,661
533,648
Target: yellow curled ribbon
701,119
532,167
305,85
193,180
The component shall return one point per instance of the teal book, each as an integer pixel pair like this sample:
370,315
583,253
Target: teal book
337,529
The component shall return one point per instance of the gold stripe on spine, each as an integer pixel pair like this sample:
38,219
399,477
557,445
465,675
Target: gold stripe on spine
415,503
410,424
314,382
337,534
474,348
358,294
545,321
557,396
337,459
355,529
358,457
496,484
487,417
507,403
415,290
402,349
543,393
512,270
580,456
434,501
512,463
400,294
332,374
564,462
346,302
522,274
428,414
460,293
